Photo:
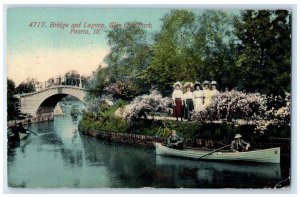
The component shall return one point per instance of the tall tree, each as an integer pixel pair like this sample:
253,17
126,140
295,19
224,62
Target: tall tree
130,54
193,47
215,47
264,61
172,59
26,87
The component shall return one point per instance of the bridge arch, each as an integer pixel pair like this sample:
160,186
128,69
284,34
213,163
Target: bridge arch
44,101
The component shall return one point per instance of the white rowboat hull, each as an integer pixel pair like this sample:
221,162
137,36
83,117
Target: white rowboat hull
271,155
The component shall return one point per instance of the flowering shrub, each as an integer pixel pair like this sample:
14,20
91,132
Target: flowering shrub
239,105
116,89
278,113
153,103
232,106
255,108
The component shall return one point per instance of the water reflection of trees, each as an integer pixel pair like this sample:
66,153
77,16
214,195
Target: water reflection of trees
129,167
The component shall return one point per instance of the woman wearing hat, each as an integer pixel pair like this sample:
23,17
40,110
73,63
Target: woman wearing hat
214,91
177,98
206,93
198,97
188,98
238,144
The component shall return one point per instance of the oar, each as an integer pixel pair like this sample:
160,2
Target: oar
214,151
31,132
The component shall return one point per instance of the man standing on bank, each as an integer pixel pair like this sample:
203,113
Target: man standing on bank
174,141
177,98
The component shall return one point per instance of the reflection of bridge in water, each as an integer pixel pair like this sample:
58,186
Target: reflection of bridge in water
45,100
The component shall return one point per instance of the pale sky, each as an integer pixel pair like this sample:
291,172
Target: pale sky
44,52
44,64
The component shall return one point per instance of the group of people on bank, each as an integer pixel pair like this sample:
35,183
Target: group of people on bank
192,97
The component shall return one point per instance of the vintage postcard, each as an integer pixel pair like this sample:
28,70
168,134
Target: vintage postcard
148,97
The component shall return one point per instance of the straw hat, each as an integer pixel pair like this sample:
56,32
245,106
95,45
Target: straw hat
206,82
177,83
197,83
237,136
213,82
188,84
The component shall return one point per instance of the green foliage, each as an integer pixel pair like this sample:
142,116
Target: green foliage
250,50
172,51
200,130
215,48
98,81
12,112
191,47
98,121
26,87
265,45
121,103
130,54
187,130
111,110
104,119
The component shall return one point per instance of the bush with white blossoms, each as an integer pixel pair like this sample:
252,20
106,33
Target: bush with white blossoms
249,107
233,105
152,104
278,115
230,106
116,89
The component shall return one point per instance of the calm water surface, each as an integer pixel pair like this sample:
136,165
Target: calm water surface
60,157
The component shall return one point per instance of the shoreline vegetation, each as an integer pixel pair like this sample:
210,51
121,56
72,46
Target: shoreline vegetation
145,120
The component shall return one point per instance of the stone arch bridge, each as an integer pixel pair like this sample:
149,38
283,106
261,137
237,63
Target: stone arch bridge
44,101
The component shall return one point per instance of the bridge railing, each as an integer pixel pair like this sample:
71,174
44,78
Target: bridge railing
64,81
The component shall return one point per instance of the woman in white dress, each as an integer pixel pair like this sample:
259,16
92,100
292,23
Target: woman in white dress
214,91
207,94
198,97
178,102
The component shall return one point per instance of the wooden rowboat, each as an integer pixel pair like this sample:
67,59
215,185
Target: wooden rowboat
24,135
271,155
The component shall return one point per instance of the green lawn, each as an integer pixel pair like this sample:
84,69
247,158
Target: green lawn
111,110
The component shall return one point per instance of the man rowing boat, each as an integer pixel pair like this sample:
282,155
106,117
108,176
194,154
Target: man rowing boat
238,144
14,137
174,141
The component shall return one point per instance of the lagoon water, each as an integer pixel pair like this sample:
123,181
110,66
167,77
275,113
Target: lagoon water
61,157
